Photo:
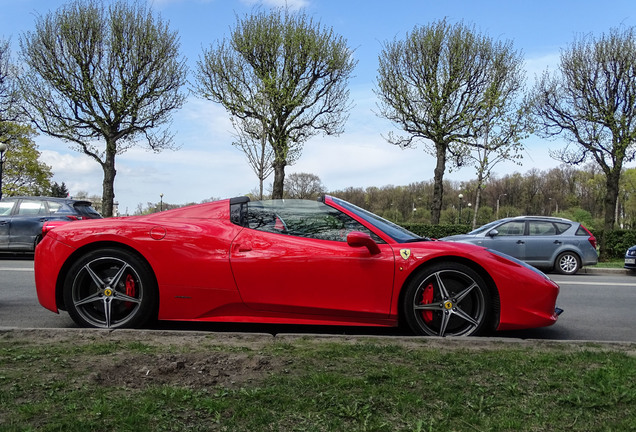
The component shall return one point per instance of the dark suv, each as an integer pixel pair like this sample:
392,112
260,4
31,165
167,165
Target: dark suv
545,242
21,219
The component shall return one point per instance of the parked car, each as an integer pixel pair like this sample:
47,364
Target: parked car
323,262
22,218
630,258
544,242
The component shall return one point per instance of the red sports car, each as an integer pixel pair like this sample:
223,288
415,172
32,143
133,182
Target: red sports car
283,261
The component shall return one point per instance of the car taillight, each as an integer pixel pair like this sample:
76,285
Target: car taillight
591,239
48,226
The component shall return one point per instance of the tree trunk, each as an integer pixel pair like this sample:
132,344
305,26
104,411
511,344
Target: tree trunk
279,179
611,183
438,186
480,181
108,185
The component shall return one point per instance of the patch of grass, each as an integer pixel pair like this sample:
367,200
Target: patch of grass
614,263
320,385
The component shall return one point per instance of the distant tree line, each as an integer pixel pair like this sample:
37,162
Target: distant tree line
564,191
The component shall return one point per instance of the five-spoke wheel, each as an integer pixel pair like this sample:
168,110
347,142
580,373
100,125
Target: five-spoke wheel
110,288
447,299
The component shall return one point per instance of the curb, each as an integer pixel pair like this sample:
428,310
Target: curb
601,270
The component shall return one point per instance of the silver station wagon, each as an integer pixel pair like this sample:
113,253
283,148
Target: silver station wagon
545,242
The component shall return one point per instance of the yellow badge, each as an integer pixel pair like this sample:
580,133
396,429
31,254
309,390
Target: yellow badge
405,253
108,292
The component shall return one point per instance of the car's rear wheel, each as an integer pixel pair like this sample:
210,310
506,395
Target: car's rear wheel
447,299
110,288
567,263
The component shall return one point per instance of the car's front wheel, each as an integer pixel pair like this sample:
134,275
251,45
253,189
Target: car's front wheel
447,299
567,263
110,288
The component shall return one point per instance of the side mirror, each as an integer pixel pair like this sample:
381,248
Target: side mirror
359,239
493,233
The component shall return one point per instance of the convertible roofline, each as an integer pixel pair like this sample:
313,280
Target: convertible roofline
239,200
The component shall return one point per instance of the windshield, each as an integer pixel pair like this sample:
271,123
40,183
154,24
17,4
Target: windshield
396,232
486,227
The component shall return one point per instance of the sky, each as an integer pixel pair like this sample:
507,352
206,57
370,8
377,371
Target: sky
208,166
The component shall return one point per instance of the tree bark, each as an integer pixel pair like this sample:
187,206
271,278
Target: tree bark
108,185
279,179
438,188
612,184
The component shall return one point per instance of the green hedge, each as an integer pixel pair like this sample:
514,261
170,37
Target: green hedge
435,231
618,241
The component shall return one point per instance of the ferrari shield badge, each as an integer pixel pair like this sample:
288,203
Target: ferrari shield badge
405,253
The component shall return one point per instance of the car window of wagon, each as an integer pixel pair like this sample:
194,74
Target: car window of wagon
303,218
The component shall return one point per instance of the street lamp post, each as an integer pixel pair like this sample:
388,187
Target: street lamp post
3,149
461,197
497,212
160,202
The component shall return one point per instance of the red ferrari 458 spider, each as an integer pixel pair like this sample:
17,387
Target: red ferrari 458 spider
283,261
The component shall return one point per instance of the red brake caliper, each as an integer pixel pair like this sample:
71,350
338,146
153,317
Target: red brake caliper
427,298
130,289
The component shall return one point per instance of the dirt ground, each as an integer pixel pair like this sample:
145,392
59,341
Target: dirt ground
203,359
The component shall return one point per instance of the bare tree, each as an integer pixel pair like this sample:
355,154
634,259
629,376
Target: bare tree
590,101
435,86
498,136
111,75
251,139
304,186
286,74
8,90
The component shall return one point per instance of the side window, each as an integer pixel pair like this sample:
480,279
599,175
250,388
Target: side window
300,218
31,208
54,206
515,228
541,228
562,227
5,208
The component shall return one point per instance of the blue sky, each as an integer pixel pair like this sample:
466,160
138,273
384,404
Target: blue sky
207,165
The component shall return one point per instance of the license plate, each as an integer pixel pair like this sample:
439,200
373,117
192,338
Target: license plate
630,260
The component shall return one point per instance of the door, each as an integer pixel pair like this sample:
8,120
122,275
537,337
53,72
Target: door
509,239
26,224
543,242
5,219
300,263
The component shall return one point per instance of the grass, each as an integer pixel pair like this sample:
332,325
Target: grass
613,263
317,384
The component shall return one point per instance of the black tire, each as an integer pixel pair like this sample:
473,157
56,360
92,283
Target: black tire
447,299
567,263
110,288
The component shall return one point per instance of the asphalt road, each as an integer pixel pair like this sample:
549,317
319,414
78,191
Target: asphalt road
598,306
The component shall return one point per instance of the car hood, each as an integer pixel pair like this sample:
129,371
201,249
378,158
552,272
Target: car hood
458,238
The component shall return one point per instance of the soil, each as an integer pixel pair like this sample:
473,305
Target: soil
137,358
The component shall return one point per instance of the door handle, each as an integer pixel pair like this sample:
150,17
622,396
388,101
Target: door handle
558,242
244,247
520,242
